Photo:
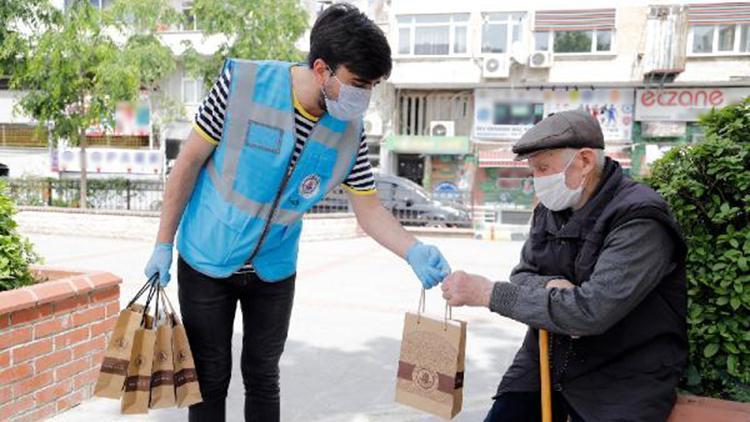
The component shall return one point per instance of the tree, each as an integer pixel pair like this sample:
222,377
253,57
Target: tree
137,22
258,29
74,76
17,17
573,42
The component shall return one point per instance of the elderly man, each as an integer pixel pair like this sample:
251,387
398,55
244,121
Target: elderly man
603,271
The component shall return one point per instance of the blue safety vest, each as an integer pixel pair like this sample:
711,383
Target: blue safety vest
248,201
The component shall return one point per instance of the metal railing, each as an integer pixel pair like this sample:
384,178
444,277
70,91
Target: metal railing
106,194
452,210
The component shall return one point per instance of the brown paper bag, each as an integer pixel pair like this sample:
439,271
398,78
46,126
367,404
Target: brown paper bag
162,375
117,356
431,366
135,400
185,378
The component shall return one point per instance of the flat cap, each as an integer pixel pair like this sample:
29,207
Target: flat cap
565,129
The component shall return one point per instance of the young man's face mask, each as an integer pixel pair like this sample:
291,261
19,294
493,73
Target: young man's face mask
351,103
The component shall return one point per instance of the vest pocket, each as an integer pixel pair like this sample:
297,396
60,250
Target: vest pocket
263,137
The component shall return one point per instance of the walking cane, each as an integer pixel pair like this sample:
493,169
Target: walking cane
545,377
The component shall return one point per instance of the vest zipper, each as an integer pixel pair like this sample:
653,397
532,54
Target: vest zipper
276,200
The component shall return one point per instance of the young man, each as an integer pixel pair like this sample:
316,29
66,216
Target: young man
269,141
603,271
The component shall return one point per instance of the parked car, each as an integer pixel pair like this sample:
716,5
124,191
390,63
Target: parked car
412,205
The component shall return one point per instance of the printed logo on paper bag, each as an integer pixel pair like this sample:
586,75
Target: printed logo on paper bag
425,379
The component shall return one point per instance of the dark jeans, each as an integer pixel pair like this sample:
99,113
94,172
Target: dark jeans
527,407
208,306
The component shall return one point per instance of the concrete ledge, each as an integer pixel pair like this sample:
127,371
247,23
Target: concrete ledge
144,225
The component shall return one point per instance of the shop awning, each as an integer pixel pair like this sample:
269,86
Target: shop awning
499,158
435,145
505,159
718,13
622,157
574,20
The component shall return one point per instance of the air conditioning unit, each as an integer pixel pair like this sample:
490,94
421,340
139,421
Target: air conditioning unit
540,59
442,128
496,66
373,124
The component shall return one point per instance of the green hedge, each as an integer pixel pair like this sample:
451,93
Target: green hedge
708,188
16,253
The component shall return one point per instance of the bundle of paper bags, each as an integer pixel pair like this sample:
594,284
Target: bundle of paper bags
148,363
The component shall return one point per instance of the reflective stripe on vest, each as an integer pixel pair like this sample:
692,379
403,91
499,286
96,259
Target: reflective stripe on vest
232,206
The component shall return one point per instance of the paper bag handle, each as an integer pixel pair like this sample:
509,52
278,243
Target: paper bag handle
448,315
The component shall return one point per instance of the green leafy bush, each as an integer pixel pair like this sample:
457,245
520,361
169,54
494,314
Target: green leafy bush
707,186
16,253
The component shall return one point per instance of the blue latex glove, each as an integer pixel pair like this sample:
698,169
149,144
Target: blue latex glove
428,264
160,262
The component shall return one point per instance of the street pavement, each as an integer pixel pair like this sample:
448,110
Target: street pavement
343,347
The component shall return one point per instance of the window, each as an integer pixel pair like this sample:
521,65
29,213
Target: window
720,39
189,21
99,4
192,91
500,31
581,42
433,35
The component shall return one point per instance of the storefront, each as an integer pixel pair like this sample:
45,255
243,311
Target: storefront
669,117
503,115
441,164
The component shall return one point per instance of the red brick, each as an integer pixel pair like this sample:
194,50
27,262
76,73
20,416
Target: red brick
31,314
52,360
38,414
53,291
70,369
14,337
5,359
103,327
31,350
48,327
71,304
102,280
15,407
75,398
93,345
4,321
15,300
15,373
82,285
71,337
86,378
97,358
54,392
33,384
113,308
88,316
6,394
106,295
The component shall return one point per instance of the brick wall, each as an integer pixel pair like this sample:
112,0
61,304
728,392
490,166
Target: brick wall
52,339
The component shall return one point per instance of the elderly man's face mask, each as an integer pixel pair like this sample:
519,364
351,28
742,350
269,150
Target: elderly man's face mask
554,193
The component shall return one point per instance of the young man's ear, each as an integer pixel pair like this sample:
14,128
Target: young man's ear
320,69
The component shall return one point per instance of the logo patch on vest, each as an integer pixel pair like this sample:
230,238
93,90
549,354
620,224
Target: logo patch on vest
310,186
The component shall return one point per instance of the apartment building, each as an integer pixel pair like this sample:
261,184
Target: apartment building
471,77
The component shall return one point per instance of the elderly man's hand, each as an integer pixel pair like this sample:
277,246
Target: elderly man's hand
560,284
461,289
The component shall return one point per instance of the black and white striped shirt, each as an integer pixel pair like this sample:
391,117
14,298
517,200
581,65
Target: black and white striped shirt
210,121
